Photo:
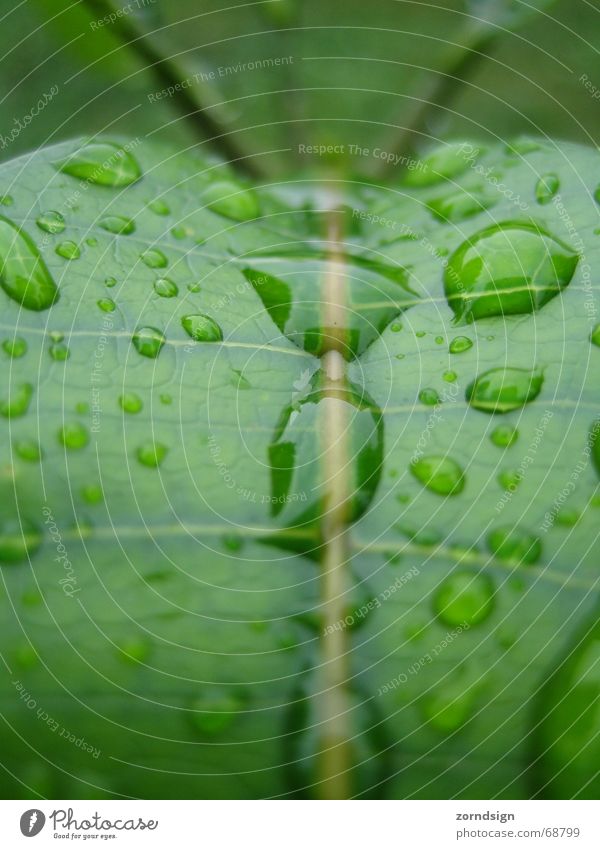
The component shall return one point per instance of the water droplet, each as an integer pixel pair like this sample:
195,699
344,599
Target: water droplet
154,258
159,207
215,711
15,347
232,542
56,335
166,399
501,390
59,351
181,232
449,376
91,241
396,327
514,544
595,444
18,402
68,250
595,335
504,435
509,269
134,650
165,288
567,518
51,222
18,540
547,186
565,740
107,304
82,407
110,282
92,493
460,205
202,328
429,397
117,224
148,341
29,450
151,454
232,201
130,402
460,344
194,287
447,709
6,200
510,479
23,273
74,436
443,163
439,474
464,598
420,334
103,164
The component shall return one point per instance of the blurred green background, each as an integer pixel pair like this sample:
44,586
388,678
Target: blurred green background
354,73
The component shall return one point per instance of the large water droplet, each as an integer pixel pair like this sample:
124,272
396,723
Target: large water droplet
117,224
51,222
18,540
165,287
154,258
106,304
151,453
148,341
15,347
429,397
18,402
464,598
103,164
232,201
501,390
460,344
29,450
547,186
23,273
439,473
68,250
566,743
202,328
514,544
74,436
507,269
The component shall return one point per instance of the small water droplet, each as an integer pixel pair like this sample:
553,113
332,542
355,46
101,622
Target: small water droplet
567,518
82,407
194,287
159,207
68,250
29,450
18,402
59,351
232,542
232,201
23,273
443,163
546,187
501,390
51,222
439,474
504,435
74,436
215,711
107,304
165,287
117,224
154,258
92,493
6,200
508,269
396,327
420,334
464,598
514,544
103,164
202,328
595,336
449,376
110,282
148,341
130,402
151,453
166,399
429,397
460,344
510,479
18,540
15,347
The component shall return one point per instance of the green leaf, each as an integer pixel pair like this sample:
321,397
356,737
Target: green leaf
247,434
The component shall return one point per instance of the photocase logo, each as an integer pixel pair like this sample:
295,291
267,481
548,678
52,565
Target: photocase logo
32,822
